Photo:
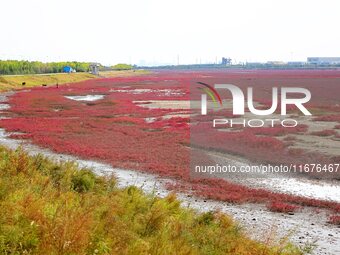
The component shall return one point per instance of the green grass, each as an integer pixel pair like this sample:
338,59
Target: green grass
57,208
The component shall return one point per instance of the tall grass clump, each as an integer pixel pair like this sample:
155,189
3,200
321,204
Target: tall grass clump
51,207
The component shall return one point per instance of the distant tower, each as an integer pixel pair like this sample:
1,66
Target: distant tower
94,68
226,61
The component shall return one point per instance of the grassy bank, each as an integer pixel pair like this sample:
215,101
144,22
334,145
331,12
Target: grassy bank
56,208
11,82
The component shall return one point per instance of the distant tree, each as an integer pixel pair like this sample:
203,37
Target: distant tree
122,67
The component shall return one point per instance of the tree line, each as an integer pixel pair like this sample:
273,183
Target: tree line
121,66
36,67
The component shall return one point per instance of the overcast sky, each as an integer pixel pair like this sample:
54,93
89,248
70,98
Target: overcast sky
162,31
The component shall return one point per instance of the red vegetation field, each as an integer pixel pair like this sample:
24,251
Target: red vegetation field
326,132
117,130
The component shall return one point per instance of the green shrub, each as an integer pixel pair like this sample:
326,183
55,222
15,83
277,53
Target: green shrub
83,181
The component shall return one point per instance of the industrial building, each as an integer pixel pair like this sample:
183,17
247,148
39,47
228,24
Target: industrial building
324,60
276,63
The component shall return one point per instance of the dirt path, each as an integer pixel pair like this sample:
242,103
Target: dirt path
305,227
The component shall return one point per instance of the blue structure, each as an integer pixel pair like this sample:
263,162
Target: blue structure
67,69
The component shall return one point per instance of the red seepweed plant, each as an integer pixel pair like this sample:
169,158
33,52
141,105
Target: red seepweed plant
334,219
281,207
